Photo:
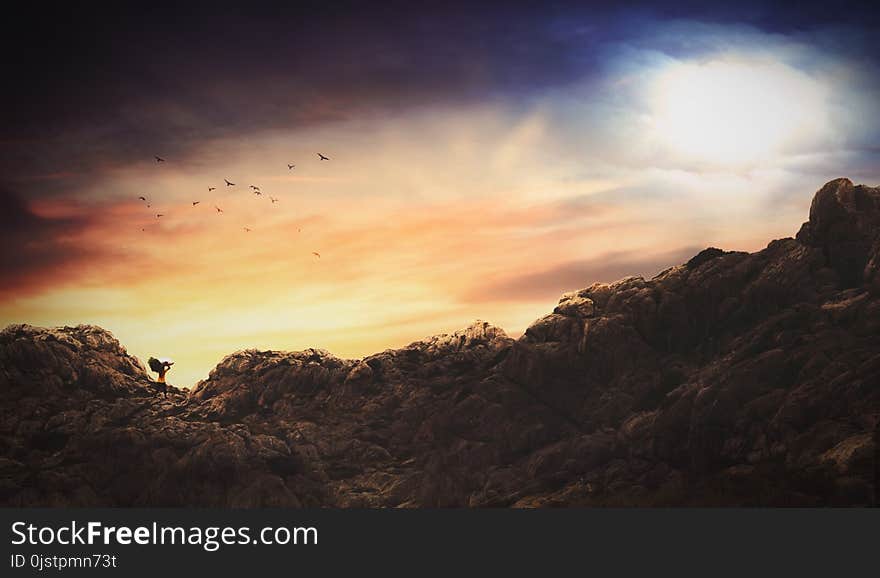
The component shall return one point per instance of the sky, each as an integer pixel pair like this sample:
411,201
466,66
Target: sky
483,160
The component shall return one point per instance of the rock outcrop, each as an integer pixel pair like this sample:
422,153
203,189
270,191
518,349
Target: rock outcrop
734,379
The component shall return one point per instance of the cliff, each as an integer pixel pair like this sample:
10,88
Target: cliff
733,379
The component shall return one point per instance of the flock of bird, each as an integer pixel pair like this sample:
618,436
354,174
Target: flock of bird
255,189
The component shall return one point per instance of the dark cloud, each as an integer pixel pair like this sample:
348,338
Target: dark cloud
97,84
551,283
37,250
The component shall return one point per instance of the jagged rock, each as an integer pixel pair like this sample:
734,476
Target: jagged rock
82,357
575,304
704,256
734,379
845,224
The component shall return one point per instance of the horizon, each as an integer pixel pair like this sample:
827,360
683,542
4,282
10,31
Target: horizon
482,162
513,334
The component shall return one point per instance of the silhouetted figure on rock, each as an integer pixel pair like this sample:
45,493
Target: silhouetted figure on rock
161,367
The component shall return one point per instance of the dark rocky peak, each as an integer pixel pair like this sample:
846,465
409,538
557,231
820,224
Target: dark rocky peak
271,381
444,355
845,224
476,335
251,380
704,256
82,357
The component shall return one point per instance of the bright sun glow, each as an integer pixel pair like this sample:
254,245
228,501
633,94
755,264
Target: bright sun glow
725,112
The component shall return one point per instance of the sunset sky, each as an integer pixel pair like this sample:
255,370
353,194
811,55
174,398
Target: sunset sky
482,161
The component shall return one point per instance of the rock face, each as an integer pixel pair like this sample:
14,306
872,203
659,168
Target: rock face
734,379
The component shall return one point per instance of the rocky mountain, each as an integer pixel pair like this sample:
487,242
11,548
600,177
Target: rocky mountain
733,379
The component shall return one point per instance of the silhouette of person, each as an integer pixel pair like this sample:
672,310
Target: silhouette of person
166,366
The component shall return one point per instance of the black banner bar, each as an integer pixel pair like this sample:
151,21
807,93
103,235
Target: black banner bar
413,542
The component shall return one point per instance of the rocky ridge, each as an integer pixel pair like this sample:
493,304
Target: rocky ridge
733,379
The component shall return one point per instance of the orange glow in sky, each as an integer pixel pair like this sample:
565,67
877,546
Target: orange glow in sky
424,221
423,225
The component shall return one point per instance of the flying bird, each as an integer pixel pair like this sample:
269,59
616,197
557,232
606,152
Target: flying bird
211,189
318,255
143,198
160,160
273,199
196,203
160,215
149,205
257,193
290,166
323,158
246,230
228,184
254,187
219,210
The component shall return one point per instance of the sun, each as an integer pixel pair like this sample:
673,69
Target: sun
731,112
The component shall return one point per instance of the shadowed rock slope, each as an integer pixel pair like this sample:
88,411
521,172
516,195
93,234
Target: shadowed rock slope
734,379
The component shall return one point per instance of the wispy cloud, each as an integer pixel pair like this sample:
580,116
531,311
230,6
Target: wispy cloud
549,283
40,249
